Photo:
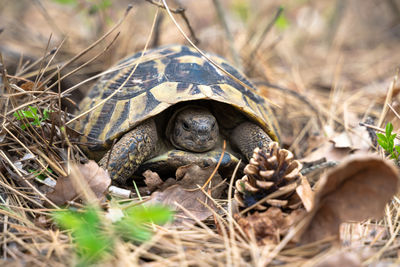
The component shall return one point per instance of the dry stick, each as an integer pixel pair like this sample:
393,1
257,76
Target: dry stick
41,70
157,31
5,227
4,156
231,220
216,167
48,18
44,99
388,99
84,64
181,11
228,33
377,128
91,46
125,81
53,126
33,64
5,80
384,248
227,213
27,93
18,78
122,84
394,111
206,56
295,94
261,39
22,144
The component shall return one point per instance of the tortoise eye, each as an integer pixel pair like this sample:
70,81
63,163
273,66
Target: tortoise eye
185,126
213,125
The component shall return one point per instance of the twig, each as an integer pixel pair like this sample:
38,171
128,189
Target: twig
297,95
84,64
50,21
216,167
261,39
228,33
157,31
388,98
89,47
181,11
124,82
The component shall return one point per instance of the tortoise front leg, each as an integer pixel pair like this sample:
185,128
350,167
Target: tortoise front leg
130,151
247,136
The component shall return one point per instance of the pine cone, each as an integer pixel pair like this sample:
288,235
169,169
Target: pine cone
272,174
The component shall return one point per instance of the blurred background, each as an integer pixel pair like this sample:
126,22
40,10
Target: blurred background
337,58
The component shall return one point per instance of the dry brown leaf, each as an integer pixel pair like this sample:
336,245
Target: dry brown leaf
329,152
306,194
152,180
356,190
187,194
357,138
267,227
337,146
97,179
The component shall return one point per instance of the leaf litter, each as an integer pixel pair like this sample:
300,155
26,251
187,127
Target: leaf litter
185,196
177,246
70,188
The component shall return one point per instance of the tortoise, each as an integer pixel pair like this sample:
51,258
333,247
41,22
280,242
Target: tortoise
172,106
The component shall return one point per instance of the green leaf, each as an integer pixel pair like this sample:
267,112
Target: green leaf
91,241
134,225
46,114
18,115
383,144
389,129
381,136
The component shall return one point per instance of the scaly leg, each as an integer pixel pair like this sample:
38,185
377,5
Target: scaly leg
247,136
130,151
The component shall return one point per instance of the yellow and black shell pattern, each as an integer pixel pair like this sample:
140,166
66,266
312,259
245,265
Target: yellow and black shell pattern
150,83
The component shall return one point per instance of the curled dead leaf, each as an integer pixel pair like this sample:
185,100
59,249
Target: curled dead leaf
76,184
356,190
187,194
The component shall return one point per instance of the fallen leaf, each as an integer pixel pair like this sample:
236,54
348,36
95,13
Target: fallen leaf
152,180
96,178
356,139
306,194
187,194
356,190
267,227
329,152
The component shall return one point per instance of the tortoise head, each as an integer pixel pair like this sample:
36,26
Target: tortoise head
194,129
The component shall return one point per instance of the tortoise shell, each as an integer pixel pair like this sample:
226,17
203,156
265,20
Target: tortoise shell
150,83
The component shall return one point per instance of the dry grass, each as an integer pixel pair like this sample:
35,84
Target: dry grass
335,64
